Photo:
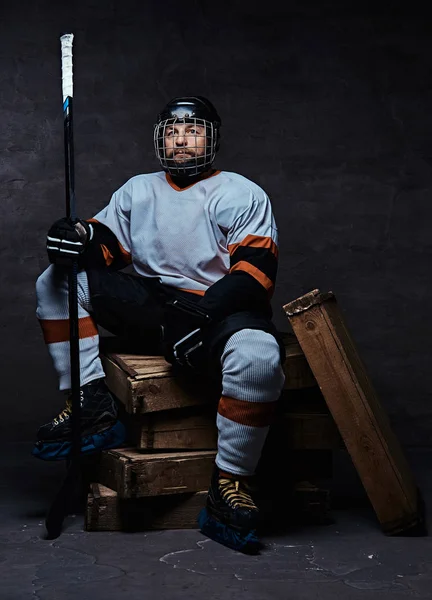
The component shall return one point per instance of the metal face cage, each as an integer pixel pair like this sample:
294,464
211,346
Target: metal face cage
185,146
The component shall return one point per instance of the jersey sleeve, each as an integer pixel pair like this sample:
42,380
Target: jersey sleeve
110,245
252,242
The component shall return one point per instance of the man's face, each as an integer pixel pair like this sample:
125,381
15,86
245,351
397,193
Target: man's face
184,141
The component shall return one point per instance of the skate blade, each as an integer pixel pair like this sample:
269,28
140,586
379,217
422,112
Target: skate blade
227,536
110,438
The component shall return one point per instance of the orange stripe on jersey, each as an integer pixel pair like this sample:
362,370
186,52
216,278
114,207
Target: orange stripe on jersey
57,330
127,257
107,255
261,277
255,241
254,414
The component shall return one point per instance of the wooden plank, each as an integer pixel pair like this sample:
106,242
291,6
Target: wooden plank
152,394
297,371
105,511
156,392
308,431
356,410
179,429
303,422
135,474
142,367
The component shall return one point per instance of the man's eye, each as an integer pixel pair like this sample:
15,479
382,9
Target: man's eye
168,132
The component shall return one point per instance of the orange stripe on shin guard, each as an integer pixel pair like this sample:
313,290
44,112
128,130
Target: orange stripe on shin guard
254,414
57,330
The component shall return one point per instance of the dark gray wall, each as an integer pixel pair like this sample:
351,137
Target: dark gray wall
329,109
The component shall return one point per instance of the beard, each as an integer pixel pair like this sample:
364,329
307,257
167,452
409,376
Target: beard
187,155
185,165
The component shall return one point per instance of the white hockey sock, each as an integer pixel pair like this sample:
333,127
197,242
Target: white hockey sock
252,381
53,314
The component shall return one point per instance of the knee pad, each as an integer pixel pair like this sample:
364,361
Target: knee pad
251,367
236,322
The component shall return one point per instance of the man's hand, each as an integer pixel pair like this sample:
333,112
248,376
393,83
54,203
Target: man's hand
67,240
188,350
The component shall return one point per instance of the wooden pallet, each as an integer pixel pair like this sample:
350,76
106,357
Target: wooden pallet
356,410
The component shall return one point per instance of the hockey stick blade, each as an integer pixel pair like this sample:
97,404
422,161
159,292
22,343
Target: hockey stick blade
60,506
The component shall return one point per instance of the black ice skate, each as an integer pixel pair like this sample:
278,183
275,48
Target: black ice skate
230,516
100,427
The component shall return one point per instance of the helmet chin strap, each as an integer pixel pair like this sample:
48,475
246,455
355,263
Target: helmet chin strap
186,180
184,170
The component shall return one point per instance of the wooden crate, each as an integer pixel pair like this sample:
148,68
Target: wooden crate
293,486
146,384
190,428
311,504
356,410
105,511
303,421
308,431
135,474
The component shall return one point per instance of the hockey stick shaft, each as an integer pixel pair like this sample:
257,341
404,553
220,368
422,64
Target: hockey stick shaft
61,503
67,89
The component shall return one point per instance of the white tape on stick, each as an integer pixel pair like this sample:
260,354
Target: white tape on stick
66,61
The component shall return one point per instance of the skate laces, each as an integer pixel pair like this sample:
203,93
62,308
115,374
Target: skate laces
235,494
66,412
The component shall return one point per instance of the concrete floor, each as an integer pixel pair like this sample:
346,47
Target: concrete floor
348,560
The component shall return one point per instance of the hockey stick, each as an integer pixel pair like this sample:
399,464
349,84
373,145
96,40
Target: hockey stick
60,506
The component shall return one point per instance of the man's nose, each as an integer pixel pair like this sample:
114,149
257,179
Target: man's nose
181,140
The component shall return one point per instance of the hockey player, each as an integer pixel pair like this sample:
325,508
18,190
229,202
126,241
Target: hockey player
203,243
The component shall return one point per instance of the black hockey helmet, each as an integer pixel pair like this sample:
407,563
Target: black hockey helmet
199,112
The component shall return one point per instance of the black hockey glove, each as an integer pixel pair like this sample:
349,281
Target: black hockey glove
188,351
67,240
